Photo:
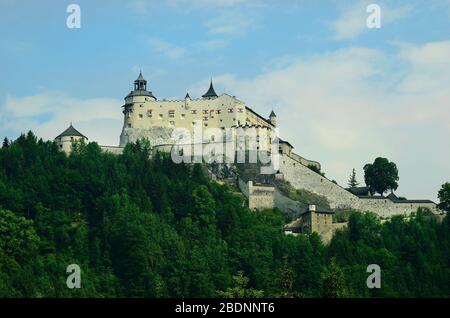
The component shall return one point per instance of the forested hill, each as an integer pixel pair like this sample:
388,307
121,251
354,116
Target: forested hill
151,228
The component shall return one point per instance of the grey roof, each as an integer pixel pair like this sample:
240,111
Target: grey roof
321,209
141,92
140,78
71,132
272,114
187,95
359,191
211,92
259,116
379,197
281,141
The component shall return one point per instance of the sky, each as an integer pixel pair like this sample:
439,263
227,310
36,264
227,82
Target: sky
344,93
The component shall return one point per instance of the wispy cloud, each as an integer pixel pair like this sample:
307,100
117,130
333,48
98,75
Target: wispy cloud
231,22
145,6
214,44
169,50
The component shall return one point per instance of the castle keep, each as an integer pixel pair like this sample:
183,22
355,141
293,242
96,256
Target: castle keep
145,116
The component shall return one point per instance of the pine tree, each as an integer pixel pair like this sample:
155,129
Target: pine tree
333,282
352,182
5,142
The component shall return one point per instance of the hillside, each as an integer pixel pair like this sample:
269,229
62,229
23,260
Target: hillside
150,228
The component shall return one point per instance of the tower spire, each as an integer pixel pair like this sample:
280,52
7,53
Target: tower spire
211,93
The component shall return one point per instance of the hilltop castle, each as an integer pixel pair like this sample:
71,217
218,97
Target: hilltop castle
145,116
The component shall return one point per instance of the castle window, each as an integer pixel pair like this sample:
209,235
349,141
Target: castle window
171,113
205,117
141,105
241,110
230,110
160,116
183,116
206,124
141,116
172,123
194,123
205,111
60,146
194,111
149,113
219,111
129,125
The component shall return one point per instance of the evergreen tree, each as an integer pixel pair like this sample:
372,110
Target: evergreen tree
444,197
333,282
5,142
352,182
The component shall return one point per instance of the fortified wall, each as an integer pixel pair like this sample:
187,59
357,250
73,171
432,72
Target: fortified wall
301,177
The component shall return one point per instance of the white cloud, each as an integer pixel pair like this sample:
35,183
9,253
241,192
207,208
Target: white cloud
346,107
231,22
214,44
50,113
352,20
169,50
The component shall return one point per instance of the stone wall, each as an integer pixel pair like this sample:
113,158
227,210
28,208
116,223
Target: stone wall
156,135
260,197
301,177
112,150
385,208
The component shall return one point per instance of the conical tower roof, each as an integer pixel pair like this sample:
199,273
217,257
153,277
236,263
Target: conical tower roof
71,132
211,93
140,78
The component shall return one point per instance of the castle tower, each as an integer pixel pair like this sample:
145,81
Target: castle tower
273,118
140,89
67,137
211,93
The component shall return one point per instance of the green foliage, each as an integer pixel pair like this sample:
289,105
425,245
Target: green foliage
316,170
381,176
239,289
444,197
142,227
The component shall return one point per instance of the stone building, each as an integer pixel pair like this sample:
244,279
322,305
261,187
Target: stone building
315,220
65,139
145,116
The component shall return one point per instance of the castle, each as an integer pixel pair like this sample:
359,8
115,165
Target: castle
227,119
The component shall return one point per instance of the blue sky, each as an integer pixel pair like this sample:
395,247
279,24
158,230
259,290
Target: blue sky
344,94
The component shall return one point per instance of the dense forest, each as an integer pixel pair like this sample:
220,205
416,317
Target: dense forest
151,228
